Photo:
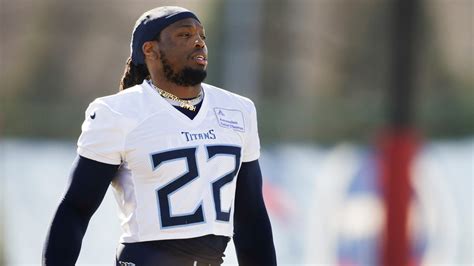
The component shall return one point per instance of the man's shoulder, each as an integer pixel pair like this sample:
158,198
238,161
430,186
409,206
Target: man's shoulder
122,101
227,97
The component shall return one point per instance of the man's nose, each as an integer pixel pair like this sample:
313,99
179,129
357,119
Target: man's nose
199,42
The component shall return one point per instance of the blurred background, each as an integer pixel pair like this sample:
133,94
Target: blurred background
354,98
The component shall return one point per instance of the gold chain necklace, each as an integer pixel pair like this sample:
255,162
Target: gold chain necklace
187,104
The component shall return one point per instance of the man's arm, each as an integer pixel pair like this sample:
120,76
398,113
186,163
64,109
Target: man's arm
88,185
252,230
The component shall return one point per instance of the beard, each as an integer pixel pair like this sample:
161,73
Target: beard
186,77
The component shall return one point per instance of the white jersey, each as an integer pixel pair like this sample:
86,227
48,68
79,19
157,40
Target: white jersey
177,176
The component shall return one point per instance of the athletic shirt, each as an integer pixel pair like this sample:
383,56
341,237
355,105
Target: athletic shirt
177,176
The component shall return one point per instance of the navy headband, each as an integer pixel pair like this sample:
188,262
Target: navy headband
149,26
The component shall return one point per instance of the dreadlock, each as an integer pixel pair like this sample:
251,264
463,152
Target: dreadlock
133,74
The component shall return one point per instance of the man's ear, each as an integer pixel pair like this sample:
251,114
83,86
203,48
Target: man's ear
150,50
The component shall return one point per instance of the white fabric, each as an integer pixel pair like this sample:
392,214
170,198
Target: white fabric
128,128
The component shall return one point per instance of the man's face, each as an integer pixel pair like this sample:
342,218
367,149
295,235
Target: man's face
183,52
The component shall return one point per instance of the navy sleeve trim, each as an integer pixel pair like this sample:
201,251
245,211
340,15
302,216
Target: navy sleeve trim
253,237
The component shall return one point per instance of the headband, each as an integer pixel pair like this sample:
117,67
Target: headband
149,26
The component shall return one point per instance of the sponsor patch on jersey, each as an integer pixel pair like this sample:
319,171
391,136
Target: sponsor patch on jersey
233,119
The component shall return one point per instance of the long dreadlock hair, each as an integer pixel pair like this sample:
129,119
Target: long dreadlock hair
133,74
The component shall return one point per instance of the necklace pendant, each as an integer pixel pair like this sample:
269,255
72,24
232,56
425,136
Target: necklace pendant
188,106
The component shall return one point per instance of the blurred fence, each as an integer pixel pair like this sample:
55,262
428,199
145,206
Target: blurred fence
324,204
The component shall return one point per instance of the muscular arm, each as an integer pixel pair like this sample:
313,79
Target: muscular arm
252,230
89,182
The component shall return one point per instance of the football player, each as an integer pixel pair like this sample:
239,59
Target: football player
181,156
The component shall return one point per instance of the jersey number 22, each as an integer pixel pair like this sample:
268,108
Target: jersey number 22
189,154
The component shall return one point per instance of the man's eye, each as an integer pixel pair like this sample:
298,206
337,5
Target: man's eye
203,37
186,34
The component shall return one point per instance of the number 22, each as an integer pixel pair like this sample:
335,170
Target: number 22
167,220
